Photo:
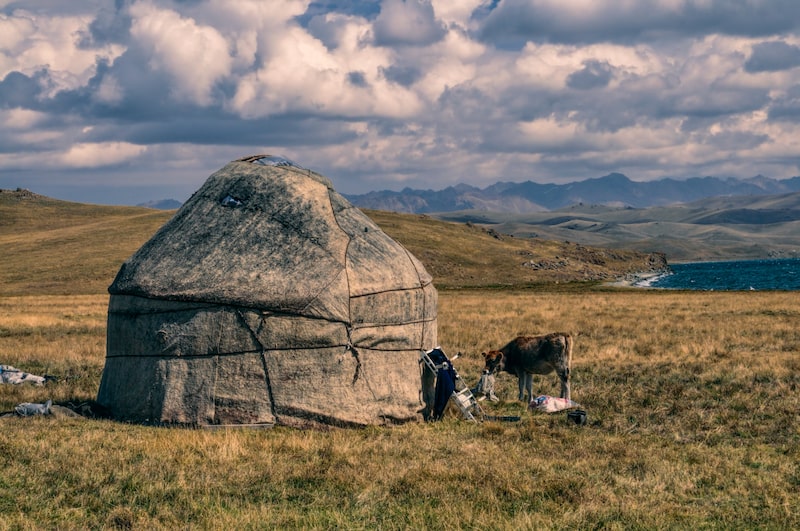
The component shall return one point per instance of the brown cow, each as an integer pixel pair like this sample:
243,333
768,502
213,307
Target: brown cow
525,356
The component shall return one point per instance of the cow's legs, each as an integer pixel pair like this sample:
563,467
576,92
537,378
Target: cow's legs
529,385
525,382
563,375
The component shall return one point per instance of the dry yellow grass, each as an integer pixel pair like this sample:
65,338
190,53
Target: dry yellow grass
692,402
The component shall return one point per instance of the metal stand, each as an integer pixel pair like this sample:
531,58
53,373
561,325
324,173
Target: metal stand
462,396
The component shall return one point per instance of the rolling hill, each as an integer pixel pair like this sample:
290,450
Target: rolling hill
717,228
58,247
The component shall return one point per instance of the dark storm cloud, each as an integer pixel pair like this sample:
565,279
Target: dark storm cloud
368,9
772,57
518,21
357,79
719,101
20,91
52,6
736,140
109,26
402,75
595,74
145,94
787,106
205,129
325,30
480,107
142,98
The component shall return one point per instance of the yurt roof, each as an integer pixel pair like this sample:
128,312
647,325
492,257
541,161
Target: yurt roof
264,232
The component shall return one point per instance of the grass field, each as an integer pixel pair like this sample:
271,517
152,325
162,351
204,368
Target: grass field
692,401
693,423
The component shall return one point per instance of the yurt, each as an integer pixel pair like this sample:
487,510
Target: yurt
268,299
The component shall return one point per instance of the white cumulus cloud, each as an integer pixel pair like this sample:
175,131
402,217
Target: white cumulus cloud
93,155
393,93
194,56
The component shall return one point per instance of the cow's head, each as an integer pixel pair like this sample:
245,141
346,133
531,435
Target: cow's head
493,361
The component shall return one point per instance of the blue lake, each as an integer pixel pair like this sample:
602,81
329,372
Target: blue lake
774,274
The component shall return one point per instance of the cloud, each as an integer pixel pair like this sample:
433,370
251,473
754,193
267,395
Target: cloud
397,93
773,56
33,43
20,91
21,119
91,155
299,74
590,21
407,22
402,75
112,24
15,33
786,106
594,74
193,56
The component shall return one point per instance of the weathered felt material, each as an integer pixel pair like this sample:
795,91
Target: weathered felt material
268,298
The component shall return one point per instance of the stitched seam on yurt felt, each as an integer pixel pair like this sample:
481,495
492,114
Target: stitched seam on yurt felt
239,353
320,292
426,318
235,307
381,292
145,311
379,325
424,301
263,360
255,351
344,265
349,324
335,277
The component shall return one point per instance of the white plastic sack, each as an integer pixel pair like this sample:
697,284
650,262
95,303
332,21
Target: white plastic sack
12,375
28,409
551,404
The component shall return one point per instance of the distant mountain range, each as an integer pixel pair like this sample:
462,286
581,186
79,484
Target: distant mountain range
614,189
713,228
162,204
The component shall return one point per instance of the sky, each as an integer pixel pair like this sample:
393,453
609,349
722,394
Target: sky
128,101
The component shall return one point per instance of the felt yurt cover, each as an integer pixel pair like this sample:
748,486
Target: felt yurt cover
268,299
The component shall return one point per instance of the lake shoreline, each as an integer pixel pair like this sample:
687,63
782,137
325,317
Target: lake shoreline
637,280
768,274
